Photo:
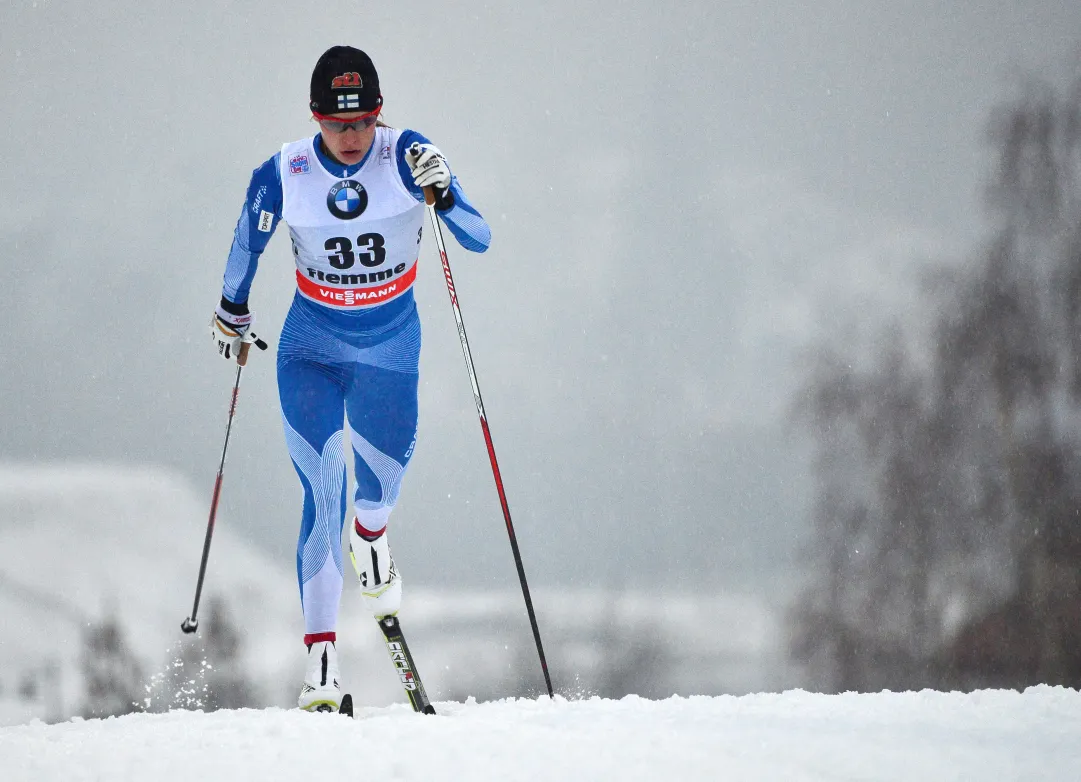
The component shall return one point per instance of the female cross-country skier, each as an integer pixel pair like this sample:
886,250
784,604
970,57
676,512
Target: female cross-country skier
352,196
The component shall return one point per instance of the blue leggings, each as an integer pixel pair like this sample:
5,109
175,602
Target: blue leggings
366,380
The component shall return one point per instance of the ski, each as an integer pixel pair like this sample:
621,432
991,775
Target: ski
347,705
403,662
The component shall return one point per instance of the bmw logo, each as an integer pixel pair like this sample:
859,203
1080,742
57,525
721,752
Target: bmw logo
347,199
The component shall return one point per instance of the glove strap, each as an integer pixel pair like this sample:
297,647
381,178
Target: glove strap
233,308
444,199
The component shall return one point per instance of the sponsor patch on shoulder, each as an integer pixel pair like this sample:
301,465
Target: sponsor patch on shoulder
266,221
384,155
298,164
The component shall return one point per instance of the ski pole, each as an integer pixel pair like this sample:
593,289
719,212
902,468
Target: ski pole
191,624
429,200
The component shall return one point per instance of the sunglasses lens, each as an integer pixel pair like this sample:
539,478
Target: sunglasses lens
340,126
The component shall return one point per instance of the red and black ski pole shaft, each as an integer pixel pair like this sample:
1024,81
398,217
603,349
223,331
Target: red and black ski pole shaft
429,200
191,624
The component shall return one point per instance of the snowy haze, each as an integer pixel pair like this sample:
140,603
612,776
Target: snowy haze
989,735
111,566
681,195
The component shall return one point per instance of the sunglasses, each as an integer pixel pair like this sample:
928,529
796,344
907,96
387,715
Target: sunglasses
335,125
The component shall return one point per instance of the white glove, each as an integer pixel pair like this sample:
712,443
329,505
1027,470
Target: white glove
428,166
229,332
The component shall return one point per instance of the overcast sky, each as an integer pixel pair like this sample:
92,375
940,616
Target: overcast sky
682,197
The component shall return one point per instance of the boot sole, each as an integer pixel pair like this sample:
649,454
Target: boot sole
329,707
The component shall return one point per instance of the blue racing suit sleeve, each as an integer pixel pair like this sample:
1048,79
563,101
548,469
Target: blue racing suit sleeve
261,214
464,221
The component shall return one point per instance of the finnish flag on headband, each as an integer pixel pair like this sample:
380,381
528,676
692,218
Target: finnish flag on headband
350,101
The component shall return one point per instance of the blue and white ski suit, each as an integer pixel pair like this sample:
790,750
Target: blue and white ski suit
351,340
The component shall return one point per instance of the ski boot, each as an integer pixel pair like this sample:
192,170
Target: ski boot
321,691
380,583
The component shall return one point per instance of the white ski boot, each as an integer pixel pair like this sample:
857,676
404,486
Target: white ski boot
321,691
380,583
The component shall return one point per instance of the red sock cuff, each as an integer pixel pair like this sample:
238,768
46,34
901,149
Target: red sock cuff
314,638
367,534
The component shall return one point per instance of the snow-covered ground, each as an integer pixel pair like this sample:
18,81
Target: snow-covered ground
989,735
79,543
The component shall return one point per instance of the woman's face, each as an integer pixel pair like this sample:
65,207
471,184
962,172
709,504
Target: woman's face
351,145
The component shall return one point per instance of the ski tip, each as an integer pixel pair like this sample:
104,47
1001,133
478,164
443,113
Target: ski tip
429,709
346,706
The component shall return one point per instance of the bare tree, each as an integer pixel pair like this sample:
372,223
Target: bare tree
112,673
949,494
